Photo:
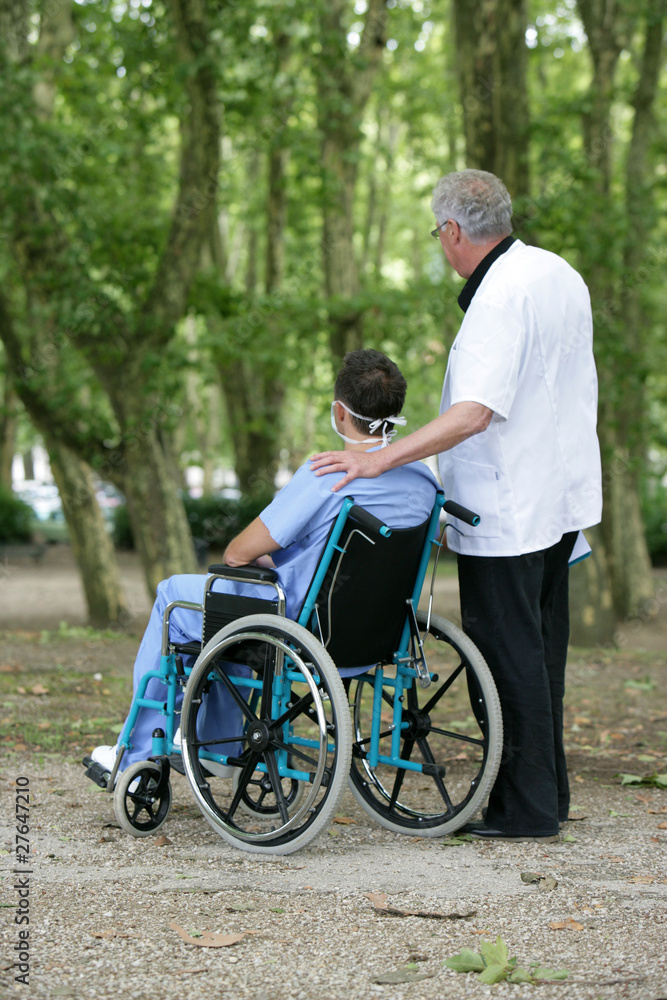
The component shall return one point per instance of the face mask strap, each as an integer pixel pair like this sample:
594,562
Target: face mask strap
373,424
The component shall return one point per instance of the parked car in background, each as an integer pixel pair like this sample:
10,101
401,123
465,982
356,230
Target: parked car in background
48,522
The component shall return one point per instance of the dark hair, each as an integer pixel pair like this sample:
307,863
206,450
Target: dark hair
370,384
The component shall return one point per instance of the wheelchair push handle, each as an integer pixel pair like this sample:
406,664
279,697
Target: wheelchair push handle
369,521
463,514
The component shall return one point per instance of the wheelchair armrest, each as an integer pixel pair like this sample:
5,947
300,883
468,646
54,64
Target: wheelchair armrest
258,573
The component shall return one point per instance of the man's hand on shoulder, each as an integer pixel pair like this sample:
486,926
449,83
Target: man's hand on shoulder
355,465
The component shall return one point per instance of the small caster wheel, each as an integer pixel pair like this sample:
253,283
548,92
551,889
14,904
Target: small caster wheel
138,808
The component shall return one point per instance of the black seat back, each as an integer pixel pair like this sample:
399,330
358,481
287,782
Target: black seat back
361,606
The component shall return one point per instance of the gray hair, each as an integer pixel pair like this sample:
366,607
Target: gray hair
477,200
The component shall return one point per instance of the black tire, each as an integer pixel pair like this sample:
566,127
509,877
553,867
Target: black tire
302,731
139,807
454,726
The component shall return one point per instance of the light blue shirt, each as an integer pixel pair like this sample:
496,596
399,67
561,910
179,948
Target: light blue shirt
300,516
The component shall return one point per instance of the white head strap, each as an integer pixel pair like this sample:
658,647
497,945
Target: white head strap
373,424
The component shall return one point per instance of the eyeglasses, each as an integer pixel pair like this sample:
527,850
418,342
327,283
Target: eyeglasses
436,232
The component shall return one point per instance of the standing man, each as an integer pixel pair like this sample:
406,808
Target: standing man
517,443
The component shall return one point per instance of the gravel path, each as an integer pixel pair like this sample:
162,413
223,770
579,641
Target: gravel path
103,905
108,913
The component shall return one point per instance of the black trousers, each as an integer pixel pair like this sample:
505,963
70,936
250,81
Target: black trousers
515,609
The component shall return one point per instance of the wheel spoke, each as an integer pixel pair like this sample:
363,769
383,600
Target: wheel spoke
235,693
437,779
458,736
244,780
433,701
293,711
274,778
196,744
295,751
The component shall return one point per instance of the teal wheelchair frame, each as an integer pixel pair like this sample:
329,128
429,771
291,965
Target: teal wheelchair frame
364,690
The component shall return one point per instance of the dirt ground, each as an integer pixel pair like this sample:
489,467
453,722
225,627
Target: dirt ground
108,913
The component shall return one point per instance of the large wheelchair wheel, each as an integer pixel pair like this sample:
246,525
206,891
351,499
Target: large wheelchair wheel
141,799
296,729
452,730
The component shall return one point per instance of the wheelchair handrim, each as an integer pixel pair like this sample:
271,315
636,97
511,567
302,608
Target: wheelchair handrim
253,838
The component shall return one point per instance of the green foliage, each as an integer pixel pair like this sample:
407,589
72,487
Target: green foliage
15,518
213,520
654,780
494,965
103,166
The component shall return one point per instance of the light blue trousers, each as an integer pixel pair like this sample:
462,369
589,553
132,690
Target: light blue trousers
219,716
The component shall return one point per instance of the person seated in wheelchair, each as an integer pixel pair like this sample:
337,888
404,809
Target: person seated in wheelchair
290,535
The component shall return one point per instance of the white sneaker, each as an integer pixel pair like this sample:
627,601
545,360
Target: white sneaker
212,766
106,756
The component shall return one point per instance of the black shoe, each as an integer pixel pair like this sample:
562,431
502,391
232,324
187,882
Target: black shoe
479,829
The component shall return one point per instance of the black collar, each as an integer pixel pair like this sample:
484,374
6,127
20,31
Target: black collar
475,279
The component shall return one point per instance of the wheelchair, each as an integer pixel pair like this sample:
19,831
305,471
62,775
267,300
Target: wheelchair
364,690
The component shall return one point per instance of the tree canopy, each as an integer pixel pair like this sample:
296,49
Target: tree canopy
204,203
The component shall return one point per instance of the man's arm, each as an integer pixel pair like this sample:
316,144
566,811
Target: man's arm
459,422
249,545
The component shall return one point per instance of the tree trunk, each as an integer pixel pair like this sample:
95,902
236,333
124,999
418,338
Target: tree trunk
90,541
344,85
592,618
139,334
253,387
492,54
253,397
7,434
159,523
619,324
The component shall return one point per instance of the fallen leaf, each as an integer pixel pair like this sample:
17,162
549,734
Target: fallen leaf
614,858
568,925
162,841
662,826
644,879
456,840
547,883
402,976
530,877
578,778
344,820
208,939
39,689
379,901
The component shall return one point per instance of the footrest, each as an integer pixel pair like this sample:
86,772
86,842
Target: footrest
100,775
